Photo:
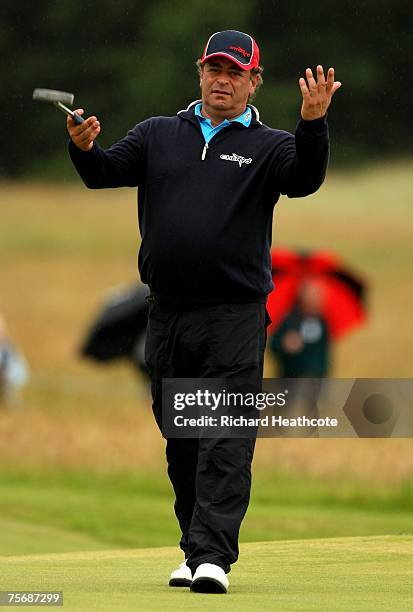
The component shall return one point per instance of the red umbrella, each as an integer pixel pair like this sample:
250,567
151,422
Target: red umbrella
343,292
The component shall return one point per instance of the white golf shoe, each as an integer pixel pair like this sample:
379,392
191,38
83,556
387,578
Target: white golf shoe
209,578
181,577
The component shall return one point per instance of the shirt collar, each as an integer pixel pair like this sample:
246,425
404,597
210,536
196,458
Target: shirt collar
244,118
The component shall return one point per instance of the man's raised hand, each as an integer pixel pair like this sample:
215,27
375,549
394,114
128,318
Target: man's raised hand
317,95
84,134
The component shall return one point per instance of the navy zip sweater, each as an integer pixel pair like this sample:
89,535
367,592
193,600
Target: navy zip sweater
205,212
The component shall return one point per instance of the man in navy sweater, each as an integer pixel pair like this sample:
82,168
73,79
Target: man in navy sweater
208,180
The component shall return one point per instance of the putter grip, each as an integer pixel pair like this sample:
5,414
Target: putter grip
77,119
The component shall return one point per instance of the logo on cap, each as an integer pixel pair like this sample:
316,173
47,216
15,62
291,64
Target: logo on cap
240,50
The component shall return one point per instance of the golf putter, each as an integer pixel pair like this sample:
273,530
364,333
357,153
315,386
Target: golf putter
59,99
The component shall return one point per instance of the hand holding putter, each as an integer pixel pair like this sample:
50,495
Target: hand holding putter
82,131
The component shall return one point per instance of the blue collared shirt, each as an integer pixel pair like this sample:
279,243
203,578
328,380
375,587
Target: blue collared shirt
209,131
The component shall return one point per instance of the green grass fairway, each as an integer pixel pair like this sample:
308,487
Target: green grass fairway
365,573
24,537
62,513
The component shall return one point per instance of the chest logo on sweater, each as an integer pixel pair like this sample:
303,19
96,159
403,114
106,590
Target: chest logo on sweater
236,158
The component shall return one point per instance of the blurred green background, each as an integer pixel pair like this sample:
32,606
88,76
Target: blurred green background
81,461
125,61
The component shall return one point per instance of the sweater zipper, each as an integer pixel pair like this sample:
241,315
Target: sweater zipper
206,145
204,151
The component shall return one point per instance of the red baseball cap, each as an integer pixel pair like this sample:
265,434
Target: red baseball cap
238,47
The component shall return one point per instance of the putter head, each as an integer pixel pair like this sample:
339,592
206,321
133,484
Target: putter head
53,95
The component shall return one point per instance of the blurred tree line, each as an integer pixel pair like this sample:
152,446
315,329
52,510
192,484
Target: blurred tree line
128,60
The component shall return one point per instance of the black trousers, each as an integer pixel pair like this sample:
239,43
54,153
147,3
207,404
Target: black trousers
211,477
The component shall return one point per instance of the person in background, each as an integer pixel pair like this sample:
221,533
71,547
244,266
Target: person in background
14,372
301,343
301,346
